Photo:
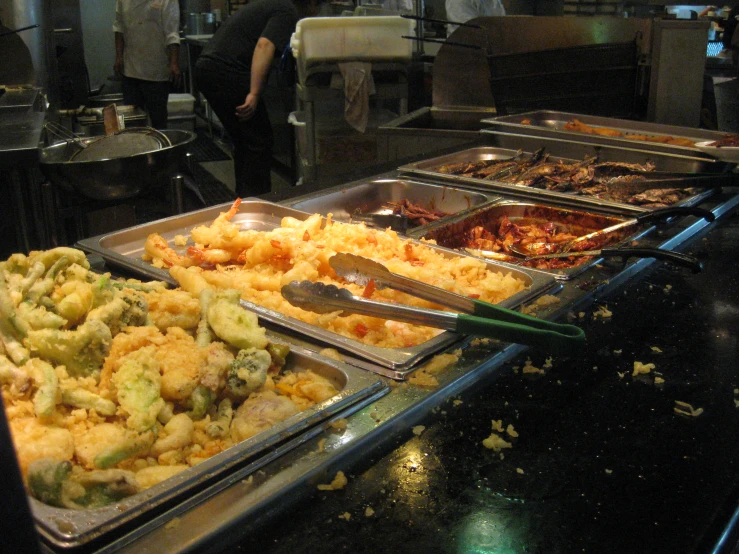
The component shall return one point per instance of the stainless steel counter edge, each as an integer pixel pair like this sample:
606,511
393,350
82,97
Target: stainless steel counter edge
246,503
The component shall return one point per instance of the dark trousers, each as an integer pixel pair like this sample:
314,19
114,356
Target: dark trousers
252,139
151,96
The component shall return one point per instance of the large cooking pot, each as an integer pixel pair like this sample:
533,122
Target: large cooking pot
117,178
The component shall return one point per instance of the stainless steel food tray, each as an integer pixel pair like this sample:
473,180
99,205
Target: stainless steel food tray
73,528
368,201
124,249
516,210
549,123
505,145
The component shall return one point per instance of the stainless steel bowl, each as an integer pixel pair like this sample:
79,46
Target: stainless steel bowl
117,178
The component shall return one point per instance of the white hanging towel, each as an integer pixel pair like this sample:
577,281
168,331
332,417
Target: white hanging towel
358,86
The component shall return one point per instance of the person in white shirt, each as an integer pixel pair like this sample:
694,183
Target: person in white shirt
461,11
147,48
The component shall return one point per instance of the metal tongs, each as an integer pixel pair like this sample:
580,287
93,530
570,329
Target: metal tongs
486,319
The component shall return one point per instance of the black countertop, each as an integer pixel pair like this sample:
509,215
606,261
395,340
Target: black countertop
602,462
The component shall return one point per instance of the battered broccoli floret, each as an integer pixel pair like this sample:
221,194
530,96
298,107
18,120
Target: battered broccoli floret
248,372
46,480
81,351
126,308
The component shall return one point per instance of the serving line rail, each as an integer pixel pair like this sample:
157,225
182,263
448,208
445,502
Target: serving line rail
244,502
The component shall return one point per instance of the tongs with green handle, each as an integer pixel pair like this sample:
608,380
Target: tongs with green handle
486,319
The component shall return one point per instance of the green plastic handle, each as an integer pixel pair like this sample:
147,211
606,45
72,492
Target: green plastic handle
494,321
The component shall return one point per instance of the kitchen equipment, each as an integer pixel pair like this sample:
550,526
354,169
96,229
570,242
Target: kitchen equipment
67,528
625,253
597,79
532,249
122,144
201,24
125,248
321,40
117,177
372,201
506,145
725,153
488,321
551,123
110,119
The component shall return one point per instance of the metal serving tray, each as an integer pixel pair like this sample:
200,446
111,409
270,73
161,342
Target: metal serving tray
368,202
124,249
548,123
448,233
72,528
505,146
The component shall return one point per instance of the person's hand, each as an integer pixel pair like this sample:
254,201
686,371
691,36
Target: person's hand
118,66
246,111
175,76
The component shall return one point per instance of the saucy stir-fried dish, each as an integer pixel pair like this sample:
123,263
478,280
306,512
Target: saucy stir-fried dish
112,386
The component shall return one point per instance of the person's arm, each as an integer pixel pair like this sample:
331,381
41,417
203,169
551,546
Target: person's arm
261,63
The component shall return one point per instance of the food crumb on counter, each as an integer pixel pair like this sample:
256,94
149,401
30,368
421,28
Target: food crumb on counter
496,442
480,341
338,483
174,523
617,352
498,425
656,349
511,431
457,402
543,301
528,367
602,312
683,408
346,516
418,429
519,471
609,471
180,240
369,512
502,456
621,374
339,424
547,363
322,446
331,353
424,376
659,380
640,368
667,289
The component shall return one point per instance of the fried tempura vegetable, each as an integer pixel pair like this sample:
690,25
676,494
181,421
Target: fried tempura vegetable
248,372
81,351
204,334
17,377
46,478
126,308
219,428
178,434
233,324
200,400
99,488
279,353
52,482
138,384
81,398
47,383
128,448
51,257
38,317
259,412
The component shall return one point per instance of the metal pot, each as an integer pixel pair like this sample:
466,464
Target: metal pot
117,178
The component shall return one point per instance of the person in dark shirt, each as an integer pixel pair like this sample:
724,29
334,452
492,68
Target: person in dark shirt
232,73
